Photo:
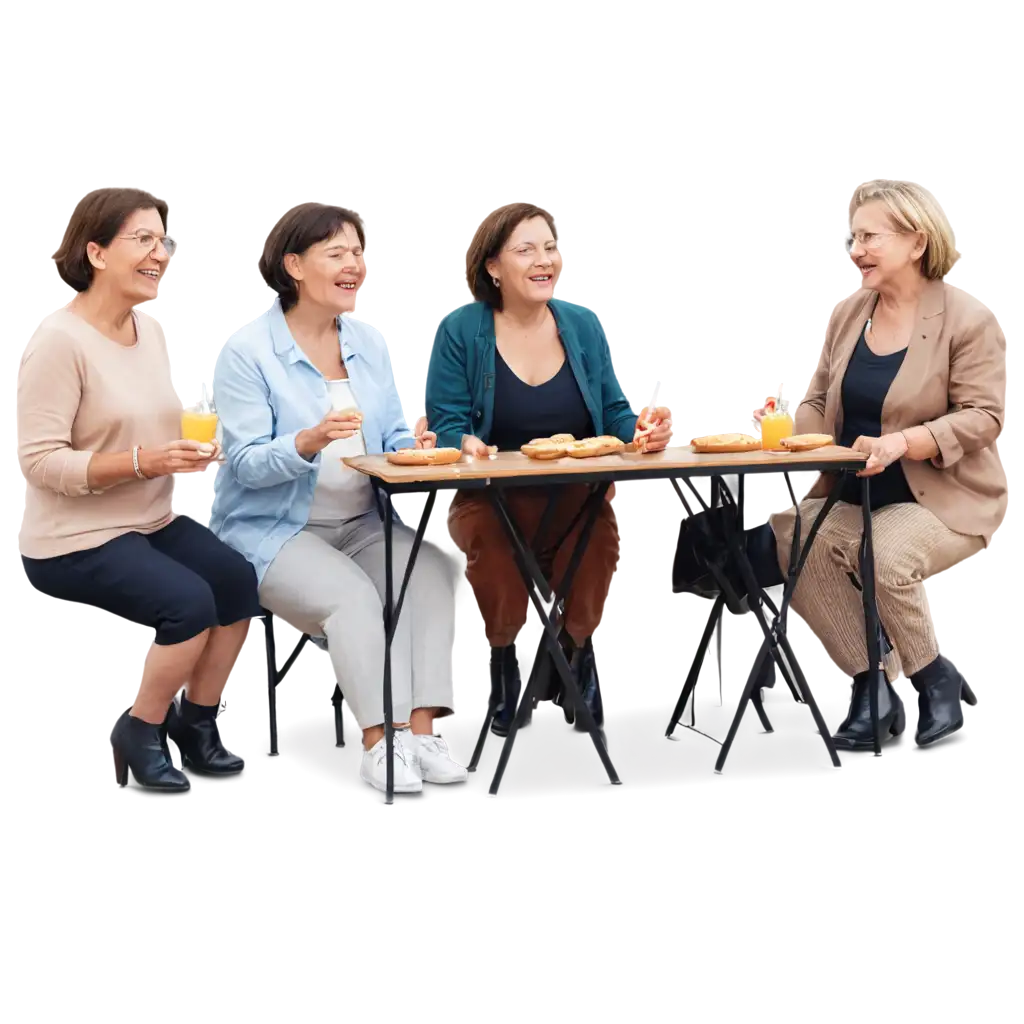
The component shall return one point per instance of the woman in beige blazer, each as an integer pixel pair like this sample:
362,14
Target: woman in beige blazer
913,374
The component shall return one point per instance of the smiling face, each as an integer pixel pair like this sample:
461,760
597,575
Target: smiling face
125,266
329,273
883,252
529,264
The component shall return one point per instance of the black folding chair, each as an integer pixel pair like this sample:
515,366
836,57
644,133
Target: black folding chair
284,653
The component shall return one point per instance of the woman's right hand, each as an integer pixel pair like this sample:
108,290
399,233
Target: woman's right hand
759,414
335,426
474,446
177,457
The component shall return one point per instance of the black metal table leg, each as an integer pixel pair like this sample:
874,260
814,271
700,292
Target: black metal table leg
771,621
696,664
392,610
871,626
549,622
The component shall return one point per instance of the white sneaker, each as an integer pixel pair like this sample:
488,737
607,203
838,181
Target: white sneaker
374,767
435,764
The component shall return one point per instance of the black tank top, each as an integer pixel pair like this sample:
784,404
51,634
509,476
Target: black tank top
523,411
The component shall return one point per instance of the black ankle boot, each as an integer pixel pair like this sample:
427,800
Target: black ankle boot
855,732
502,687
940,688
194,728
142,747
584,668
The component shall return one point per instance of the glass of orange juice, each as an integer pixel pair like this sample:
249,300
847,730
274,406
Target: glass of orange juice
199,422
776,423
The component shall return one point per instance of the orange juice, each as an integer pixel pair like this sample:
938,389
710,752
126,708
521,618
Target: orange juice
198,426
775,425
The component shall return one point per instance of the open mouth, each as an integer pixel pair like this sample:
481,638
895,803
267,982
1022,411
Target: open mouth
866,268
541,278
153,275
347,286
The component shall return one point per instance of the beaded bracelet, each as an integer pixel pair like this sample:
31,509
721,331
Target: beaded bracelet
135,463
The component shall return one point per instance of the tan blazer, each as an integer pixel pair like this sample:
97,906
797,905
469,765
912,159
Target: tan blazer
953,381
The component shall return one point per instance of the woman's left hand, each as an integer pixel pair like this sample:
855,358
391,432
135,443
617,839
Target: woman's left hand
882,452
656,427
424,438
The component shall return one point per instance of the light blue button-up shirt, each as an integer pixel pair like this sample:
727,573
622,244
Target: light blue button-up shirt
266,391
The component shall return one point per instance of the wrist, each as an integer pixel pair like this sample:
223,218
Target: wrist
305,444
144,464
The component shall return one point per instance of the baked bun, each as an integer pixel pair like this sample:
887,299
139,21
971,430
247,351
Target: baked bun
806,442
721,443
592,447
424,456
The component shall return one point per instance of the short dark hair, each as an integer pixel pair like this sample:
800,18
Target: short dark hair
98,218
301,227
489,240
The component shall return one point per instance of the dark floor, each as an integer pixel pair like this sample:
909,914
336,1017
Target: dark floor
553,766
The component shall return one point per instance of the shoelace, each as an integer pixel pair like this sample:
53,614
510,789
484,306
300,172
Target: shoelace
400,752
432,743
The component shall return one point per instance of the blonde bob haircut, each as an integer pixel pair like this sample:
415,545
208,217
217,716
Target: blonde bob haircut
912,208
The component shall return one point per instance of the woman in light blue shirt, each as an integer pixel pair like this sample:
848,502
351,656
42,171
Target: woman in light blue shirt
297,391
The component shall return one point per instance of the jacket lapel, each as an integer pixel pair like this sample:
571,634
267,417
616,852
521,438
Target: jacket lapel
917,365
842,351
577,360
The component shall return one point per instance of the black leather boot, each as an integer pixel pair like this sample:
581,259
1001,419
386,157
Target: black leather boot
142,747
855,732
940,688
584,668
502,688
194,728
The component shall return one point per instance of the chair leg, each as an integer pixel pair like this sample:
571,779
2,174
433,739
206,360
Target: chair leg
339,722
268,626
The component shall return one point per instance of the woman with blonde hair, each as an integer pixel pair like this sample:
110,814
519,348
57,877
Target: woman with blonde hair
912,374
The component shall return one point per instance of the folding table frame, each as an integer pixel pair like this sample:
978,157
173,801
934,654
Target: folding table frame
775,643
599,474
547,601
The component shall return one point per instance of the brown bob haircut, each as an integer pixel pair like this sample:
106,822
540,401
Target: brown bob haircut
489,240
301,227
98,218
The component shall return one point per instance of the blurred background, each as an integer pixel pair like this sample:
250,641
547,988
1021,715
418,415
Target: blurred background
698,161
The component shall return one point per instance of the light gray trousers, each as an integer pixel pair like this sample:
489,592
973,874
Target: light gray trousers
329,581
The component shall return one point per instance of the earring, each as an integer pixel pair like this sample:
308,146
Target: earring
497,283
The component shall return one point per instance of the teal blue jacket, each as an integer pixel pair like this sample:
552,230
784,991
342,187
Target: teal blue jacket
460,379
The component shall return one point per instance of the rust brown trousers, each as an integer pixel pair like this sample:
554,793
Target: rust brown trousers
491,565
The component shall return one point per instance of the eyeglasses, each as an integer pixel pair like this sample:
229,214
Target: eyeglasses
148,241
868,239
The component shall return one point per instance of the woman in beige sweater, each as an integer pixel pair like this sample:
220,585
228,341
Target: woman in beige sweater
98,420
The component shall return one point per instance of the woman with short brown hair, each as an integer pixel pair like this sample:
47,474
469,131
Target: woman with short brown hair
912,374
514,365
97,422
298,390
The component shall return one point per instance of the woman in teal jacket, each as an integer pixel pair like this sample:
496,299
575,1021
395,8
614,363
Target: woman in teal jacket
515,365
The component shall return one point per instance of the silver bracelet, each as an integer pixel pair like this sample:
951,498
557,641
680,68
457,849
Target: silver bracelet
135,463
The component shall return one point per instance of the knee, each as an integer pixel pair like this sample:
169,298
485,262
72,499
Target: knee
235,590
362,604
894,570
438,569
186,612
476,531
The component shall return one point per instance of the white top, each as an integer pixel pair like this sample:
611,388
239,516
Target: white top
341,493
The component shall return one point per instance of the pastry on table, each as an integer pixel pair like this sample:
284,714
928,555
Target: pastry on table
716,444
591,447
548,447
424,456
806,442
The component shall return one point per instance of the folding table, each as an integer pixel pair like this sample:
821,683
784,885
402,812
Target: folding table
494,476
775,644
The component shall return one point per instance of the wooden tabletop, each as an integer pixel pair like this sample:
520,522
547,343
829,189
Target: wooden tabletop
514,464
